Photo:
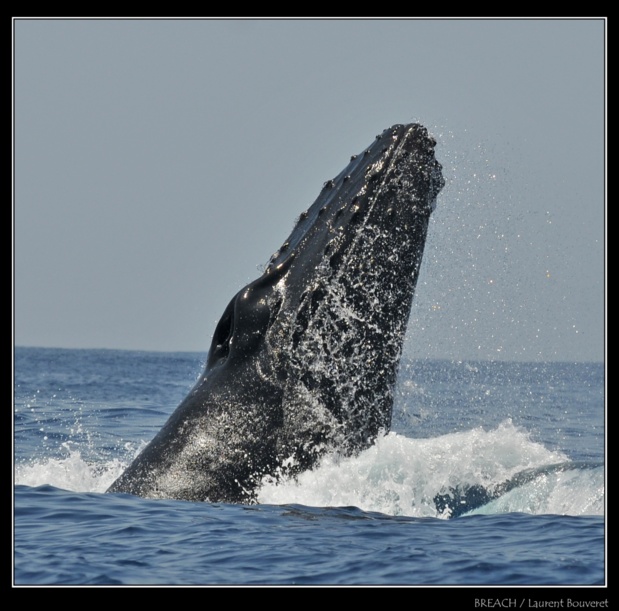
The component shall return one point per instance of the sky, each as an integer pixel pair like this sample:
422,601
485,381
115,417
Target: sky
159,163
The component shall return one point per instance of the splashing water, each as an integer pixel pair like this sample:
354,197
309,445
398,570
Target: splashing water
73,471
402,476
397,476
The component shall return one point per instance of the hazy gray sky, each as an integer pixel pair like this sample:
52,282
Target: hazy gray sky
159,163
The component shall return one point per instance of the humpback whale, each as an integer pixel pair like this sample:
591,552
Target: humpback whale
304,359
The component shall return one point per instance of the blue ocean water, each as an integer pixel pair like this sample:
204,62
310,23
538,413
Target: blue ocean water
493,474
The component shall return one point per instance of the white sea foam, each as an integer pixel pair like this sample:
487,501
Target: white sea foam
402,476
71,472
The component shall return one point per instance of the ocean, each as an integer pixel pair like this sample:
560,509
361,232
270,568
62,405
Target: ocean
492,475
